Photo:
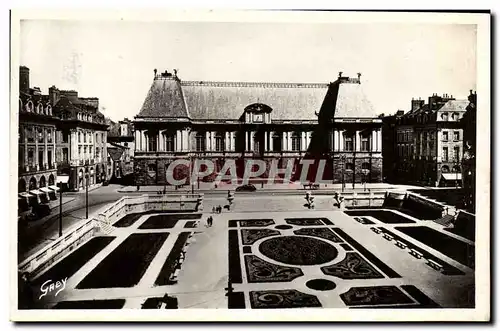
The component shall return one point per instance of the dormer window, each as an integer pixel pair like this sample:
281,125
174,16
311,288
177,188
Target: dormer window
444,116
257,113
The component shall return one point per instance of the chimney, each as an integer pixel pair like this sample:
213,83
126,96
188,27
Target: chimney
416,104
24,79
53,95
340,74
155,71
359,77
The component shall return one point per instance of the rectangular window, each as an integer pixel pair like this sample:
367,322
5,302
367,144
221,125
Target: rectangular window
348,144
79,137
456,135
84,137
445,154
90,137
49,135
49,158
169,142
277,142
219,143
65,155
31,134
31,160
90,152
79,152
445,136
152,167
200,142
84,152
40,135
456,152
40,158
365,144
296,142
152,143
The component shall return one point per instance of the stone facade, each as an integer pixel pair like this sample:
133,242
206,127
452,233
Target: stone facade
222,121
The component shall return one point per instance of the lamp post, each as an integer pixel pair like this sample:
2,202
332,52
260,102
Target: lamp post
87,192
60,209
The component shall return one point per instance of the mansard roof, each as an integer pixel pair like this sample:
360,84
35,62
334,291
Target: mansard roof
169,97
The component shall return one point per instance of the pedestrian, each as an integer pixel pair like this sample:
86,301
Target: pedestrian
210,221
213,209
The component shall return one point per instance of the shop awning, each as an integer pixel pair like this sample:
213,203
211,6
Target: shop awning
62,179
26,195
45,189
452,176
37,192
54,188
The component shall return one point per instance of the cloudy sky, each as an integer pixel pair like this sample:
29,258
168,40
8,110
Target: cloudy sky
115,60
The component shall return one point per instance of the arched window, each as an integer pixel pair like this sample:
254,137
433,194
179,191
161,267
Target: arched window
29,106
365,166
349,166
51,180
32,183
445,169
49,110
42,181
454,116
444,116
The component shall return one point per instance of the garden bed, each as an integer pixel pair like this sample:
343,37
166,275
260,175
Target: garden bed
453,248
298,250
166,221
68,266
171,263
125,266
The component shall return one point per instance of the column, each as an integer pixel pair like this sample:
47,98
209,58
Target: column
341,140
289,140
212,140
157,140
233,141
374,140
358,140
227,143
144,141
252,137
284,144
271,141
185,140
379,140
178,138
265,141
308,138
207,141
45,148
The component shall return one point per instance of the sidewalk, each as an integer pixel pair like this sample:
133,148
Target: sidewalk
56,203
208,187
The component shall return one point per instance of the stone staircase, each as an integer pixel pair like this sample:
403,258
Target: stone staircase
106,228
446,220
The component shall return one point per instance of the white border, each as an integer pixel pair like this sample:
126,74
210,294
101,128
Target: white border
482,310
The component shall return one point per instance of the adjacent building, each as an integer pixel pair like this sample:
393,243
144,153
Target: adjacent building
121,140
266,121
81,138
429,142
469,146
37,165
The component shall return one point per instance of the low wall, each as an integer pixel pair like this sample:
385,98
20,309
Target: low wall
429,209
102,223
465,224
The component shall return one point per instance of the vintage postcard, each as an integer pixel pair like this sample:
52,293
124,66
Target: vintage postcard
178,165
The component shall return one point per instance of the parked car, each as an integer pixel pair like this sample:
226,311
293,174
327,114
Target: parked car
246,188
105,183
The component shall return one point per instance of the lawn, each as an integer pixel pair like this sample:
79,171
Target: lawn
68,266
167,221
170,264
125,266
453,248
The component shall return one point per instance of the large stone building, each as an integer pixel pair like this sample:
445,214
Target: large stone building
37,144
429,142
469,160
266,121
81,138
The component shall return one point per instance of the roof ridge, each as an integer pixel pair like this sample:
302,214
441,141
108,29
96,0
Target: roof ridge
252,84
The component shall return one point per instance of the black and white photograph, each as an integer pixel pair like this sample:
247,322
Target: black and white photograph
250,166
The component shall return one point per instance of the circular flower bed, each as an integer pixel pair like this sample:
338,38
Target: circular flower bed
321,284
283,227
298,250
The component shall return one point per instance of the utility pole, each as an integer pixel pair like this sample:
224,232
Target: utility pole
60,209
87,193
